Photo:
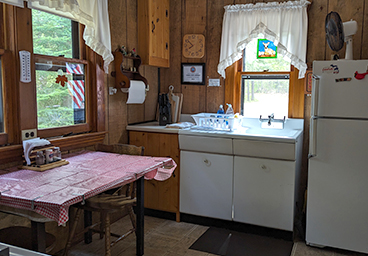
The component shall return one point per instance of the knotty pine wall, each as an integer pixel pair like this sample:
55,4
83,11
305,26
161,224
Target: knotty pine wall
205,17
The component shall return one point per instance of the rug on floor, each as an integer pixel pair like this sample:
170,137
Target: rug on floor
225,242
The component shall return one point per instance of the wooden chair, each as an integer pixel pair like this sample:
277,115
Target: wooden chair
32,238
121,199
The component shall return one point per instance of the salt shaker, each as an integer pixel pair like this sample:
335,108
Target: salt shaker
40,158
57,154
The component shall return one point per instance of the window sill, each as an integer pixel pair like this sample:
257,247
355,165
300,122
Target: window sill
14,153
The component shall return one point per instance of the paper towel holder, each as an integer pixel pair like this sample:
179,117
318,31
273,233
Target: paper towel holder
126,69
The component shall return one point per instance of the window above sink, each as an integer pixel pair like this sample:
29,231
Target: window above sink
265,81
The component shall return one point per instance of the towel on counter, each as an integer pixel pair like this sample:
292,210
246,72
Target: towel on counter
29,144
180,125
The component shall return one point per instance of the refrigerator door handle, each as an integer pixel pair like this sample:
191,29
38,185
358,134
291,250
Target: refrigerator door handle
313,137
315,91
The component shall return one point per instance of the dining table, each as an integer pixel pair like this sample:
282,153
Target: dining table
52,192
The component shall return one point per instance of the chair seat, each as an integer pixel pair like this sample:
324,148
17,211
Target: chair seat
109,202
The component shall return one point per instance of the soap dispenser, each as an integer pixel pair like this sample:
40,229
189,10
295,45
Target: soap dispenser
229,110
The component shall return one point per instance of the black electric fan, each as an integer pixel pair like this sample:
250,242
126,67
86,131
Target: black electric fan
338,33
334,31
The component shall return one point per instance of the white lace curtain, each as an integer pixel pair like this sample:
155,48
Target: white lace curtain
91,13
283,23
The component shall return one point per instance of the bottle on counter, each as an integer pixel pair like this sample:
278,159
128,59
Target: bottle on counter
229,110
57,154
221,110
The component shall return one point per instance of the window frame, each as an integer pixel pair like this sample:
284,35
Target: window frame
20,98
255,76
77,128
233,82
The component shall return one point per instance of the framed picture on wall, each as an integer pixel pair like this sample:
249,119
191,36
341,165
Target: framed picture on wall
193,73
266,49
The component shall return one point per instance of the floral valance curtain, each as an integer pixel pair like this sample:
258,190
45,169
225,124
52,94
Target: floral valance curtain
283,23
91,13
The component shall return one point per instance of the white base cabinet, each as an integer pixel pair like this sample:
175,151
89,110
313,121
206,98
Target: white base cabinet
206,184
264,192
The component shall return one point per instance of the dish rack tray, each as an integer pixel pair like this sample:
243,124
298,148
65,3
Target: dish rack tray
215,121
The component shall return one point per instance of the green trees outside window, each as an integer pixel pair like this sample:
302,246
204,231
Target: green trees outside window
57,104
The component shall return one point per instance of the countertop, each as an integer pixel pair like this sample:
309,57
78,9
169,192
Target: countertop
250,131
151,127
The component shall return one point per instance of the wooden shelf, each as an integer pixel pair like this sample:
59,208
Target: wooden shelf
123,76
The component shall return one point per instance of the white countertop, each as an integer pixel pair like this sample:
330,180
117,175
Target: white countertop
250,131
151,127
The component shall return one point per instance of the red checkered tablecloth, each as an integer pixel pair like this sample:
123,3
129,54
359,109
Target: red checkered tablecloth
52,192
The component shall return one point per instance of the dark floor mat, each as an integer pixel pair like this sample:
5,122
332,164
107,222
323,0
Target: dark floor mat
231,243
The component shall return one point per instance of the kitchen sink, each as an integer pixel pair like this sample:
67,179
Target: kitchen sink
271,132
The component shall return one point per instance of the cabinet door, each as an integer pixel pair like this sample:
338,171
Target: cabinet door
264,192
160,195
153,32
206,184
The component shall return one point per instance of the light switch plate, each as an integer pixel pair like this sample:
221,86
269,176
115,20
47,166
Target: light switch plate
29,134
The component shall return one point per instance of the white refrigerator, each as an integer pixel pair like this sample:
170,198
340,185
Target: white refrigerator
337,201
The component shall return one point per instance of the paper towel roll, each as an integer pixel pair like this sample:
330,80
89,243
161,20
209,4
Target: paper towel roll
136,92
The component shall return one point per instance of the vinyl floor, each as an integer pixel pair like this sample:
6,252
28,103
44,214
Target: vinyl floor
169,238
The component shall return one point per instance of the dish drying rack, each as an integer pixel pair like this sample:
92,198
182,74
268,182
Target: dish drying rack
223,122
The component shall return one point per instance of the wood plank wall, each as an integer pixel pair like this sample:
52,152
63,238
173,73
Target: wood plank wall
205,17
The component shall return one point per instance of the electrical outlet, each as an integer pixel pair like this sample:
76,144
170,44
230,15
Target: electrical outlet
29,134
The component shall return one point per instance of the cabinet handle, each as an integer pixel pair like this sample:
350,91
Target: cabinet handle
153,27
167,13
167,46
207,162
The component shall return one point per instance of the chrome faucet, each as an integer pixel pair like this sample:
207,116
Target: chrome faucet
270,119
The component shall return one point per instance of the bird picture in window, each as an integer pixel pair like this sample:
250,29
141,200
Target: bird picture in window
266,49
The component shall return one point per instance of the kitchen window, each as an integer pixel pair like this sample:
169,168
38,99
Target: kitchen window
61,84
264,84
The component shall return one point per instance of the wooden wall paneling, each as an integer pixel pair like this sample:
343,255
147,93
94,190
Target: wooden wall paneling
316,40
135,111
2,27
150,103
232,86
348,10
101,97
194,99
27,91
11,75
364,45
117,108
194,21
172,75
91,95
215,95
296,95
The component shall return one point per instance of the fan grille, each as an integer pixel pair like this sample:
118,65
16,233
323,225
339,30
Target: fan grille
334,31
